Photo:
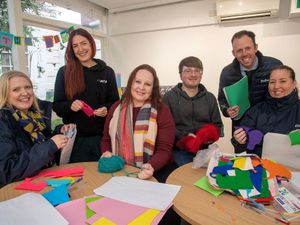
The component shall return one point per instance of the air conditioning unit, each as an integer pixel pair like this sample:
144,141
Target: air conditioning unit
231,10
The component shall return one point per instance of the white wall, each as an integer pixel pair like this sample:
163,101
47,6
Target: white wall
163,36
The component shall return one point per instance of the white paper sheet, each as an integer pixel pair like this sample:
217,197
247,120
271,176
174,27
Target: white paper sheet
67,150
139,192
30,208
296,179
278,147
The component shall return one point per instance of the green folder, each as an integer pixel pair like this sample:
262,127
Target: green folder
238,94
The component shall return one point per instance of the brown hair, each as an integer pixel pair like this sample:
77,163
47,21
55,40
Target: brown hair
190,61
242,33
155,95
4,88
73,73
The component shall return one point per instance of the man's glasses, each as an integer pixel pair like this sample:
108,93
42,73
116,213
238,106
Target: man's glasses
192,71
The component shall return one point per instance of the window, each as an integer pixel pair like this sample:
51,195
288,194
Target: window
43,63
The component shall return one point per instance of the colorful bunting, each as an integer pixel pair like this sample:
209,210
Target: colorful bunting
17,40
28,41
64,36
49,41
6,39
56,39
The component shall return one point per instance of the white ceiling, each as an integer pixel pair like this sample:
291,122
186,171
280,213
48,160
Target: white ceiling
125,5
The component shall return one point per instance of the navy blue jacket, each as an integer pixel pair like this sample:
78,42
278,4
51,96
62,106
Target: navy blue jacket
258,86
272,115
19,157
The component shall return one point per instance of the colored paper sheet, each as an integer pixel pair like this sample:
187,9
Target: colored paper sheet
203,184
116,211
30,208
239,163
89,212
103,221
160,216
74,172
145,218
294,137
73,211
27,184
57,195
87,109
237,94
58,182
139,192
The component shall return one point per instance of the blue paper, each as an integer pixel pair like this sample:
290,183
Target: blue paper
58,182
57,195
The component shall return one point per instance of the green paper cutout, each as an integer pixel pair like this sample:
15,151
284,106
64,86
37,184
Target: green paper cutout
295,137
226,182
203,184
243,180
89,213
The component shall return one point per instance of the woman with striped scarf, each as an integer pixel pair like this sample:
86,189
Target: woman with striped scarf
139,127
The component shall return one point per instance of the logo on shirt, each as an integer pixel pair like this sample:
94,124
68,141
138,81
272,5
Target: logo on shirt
102,81
264,81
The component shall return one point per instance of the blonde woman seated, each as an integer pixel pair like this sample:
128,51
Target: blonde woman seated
25,140
139,127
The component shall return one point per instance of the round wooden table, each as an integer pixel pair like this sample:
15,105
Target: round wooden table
199,207
91,180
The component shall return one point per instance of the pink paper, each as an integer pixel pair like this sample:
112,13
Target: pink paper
77,171
73,211
87,109
160,215
116,211
28,185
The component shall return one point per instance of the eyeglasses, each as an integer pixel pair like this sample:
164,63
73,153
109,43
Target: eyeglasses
192,71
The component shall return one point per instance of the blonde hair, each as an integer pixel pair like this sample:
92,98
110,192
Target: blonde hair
4,88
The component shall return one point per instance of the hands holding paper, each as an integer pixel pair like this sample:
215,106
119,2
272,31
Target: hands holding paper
60,140
233,111
240,136
81,105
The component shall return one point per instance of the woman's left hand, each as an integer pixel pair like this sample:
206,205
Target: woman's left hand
146,172
64,129
102,112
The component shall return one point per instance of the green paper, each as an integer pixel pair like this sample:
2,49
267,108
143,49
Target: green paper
89,212
203,184
298,4
237,94
242,179
295,137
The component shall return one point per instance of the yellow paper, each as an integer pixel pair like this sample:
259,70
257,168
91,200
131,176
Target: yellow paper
239,163
103,221
145,218
72,179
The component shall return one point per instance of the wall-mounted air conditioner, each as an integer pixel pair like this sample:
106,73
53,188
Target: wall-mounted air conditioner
230,10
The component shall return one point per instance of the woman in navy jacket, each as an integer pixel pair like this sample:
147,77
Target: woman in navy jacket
25,141
278,113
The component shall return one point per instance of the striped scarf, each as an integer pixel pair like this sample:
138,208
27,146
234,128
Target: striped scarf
136,145
32,123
